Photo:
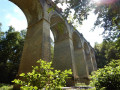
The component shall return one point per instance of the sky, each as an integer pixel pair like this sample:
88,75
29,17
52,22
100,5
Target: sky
10,14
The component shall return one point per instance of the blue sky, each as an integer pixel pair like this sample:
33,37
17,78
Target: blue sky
10,14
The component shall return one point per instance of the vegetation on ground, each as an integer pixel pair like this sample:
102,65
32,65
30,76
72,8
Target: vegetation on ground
107,51
43,76
107,77
6,87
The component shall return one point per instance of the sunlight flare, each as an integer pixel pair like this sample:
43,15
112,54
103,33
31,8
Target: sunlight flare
104,1
96,1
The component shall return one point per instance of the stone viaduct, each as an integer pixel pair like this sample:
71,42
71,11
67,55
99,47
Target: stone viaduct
71,50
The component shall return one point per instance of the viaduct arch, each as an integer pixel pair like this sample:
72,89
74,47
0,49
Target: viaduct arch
71,50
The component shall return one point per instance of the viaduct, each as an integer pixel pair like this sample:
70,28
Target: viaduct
71,50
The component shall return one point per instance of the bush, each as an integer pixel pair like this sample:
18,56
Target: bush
107,77
43,76
6,86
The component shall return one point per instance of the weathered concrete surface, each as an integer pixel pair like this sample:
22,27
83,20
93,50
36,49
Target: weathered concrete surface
80,59
70,51
36,46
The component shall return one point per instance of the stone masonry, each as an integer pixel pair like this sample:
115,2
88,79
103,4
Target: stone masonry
71,50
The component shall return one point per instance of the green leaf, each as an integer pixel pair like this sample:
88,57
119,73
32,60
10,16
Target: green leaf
50,9
22,74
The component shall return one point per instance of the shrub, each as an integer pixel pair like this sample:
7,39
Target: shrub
107,77
43,76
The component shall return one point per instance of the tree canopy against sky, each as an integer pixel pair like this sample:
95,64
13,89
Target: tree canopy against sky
11,45
108,13
109,17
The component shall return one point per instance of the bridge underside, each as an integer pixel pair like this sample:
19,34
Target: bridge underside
71,50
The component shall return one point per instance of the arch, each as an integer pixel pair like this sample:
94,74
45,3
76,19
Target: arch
77,42
93,59
88,57
33,9
68,48
58,27
37,41
79,57
62,43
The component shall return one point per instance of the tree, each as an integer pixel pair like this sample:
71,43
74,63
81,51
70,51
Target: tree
107,51
11,46
107,77
108,17
1,33
81,8
100,55
107,10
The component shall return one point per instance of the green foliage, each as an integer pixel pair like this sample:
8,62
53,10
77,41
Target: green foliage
52,53
108,14
106,51
108,17
107,77
43,76
6,87
11,45
81,8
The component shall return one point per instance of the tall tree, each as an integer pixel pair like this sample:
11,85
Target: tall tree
108,17
108,13
107,51
1,33
81,8
10,53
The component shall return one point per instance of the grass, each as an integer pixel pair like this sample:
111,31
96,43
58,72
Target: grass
6,87
10,87
81,84
84,85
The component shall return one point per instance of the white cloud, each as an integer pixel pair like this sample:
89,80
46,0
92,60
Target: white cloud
18,11
91,36
16,19
18,24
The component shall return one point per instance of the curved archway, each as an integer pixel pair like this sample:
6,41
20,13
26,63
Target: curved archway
37,42
93,59
32,9
80,62
88,58
62,47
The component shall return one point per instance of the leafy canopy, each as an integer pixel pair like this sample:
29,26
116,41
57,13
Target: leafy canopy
11,45
107,10
107,77
43,76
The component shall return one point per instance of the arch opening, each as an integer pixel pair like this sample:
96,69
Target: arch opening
32,10
88,58
62,48
93,59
